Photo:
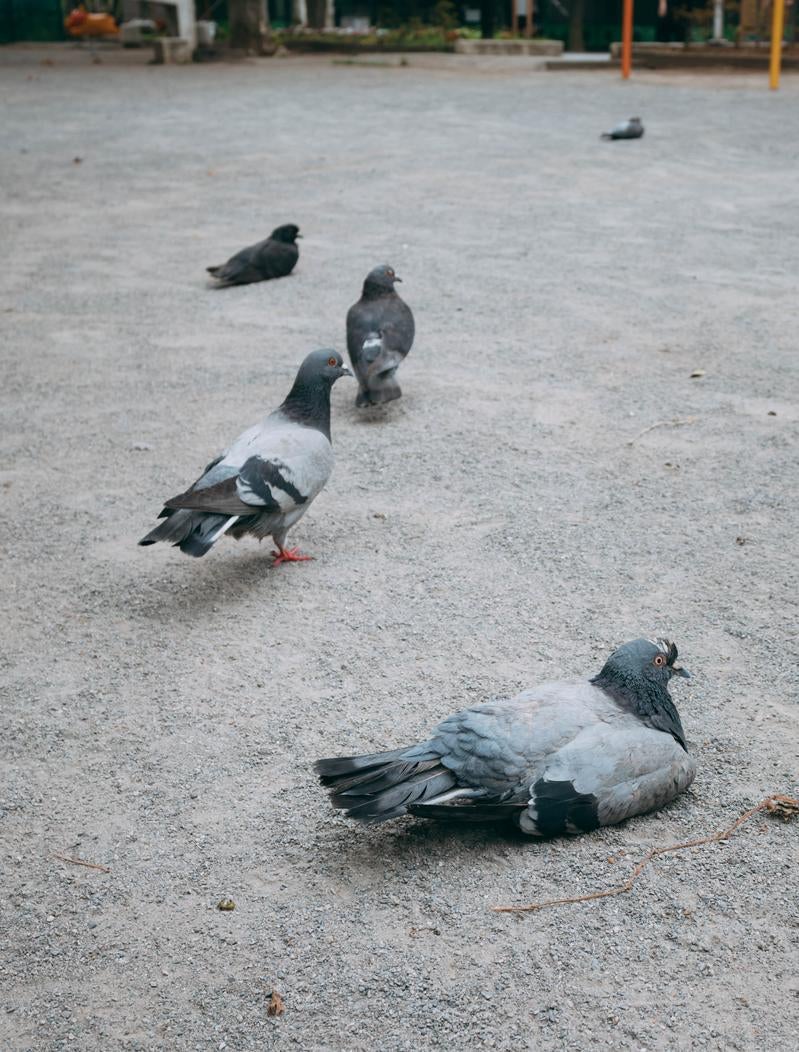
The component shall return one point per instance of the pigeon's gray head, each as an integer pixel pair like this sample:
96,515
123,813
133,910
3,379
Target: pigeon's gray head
382,277
635,120
288,234
644,660
324,366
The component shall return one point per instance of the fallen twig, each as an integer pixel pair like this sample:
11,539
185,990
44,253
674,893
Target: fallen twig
782,806
662,423
82,862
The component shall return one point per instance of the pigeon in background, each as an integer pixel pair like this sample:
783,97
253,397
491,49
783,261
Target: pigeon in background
265,482
274,258
377,364
630,129
560,758
379,315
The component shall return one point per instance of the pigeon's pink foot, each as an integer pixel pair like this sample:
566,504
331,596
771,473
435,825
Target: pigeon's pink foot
290,555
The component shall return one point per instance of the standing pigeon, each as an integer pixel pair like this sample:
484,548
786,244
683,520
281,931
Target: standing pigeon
274,258
559,758
380,332
265,482
630,129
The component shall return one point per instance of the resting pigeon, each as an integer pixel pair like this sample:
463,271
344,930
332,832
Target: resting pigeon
274,258
630,129
265,482
559,758
380,332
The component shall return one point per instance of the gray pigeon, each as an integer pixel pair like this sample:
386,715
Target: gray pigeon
380,331
630,129
559,758
274,258
265,482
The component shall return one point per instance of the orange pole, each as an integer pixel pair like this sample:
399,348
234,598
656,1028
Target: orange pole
626,38
777,30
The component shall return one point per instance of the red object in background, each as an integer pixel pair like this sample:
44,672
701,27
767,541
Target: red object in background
626,38
82,23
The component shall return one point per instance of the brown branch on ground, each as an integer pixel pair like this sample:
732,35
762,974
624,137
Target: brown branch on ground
662,423
82,862
784,807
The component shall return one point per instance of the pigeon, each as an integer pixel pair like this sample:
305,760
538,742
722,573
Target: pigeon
380,332
631,129
563,757
274,258
266,480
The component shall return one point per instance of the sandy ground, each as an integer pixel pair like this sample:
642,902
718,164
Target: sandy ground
510,521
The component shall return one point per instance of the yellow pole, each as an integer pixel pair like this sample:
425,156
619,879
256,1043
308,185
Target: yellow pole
777,28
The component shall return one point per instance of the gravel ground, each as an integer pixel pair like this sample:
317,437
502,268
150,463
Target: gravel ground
509,521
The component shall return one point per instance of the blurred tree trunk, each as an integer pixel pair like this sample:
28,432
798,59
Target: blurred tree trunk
249,24
488,16
576,19
316,14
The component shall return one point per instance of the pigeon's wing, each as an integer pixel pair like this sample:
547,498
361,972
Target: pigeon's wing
500,747
390,316
240,269
275,259
282,468
478,765
398,327
359,327
608,772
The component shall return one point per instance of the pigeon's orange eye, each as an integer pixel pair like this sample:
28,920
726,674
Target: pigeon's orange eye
332,361
660,661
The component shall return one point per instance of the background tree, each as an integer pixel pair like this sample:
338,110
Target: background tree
249,24
576,19
488,17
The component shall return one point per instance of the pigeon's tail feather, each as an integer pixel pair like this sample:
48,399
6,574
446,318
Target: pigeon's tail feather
193,532
382,786
464,810
605,135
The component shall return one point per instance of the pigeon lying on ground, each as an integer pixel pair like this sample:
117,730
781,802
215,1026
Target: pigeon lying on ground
274,258
630,129
379,315
559,758
265,482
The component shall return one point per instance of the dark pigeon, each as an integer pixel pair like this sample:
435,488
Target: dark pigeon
560,758
274,258
630,129
268,478
380,331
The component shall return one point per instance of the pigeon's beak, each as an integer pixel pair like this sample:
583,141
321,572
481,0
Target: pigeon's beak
398,278
345,371
298,235
683,672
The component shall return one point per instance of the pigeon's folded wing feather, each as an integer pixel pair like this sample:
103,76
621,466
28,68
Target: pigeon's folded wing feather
274,259
622,766
260,486
501,745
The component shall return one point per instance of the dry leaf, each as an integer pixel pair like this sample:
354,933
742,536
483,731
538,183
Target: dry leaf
275,1006
783,806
